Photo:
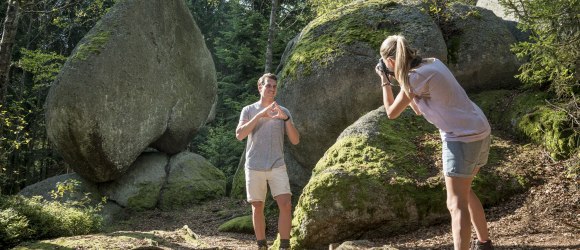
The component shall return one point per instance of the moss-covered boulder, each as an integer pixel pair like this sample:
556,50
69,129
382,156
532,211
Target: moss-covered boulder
479,49
142,77
139,188
383,177
242,224
328,80
530,115
191,179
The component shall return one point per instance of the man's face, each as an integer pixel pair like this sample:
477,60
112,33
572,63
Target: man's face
269,89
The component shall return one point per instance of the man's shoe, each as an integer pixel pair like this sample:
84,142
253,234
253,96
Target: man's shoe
262,245
476,245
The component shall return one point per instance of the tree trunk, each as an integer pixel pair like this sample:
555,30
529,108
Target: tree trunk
271,32
8,38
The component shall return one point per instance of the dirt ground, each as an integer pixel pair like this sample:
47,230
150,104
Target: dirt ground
545,217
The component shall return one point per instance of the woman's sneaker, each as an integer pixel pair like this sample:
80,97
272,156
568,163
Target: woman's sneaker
476,245
262,245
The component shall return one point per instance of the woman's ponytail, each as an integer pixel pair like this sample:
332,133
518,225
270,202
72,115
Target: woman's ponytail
397,47
403,64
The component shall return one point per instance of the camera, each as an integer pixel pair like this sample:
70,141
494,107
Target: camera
383,68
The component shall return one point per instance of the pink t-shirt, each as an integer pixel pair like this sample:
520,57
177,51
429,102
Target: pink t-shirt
445,104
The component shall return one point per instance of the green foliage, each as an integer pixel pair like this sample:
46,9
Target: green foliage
13,227
43,65
553,47
82,13
67,192
221,150
35,218
13,138
23,218
48,31
22,120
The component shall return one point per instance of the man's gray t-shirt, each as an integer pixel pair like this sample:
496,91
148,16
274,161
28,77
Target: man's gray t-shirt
265,144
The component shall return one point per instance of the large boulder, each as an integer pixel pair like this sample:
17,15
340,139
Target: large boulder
497,9
141,77
383,177
191,179
509,19
328,79
479,51
140,187
65,188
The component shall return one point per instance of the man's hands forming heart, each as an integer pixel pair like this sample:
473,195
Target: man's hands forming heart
274,111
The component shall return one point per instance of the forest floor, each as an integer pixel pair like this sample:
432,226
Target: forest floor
547,216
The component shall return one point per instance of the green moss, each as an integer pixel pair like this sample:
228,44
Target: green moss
146,198
551,128
241,224
91,44
528,115
325,38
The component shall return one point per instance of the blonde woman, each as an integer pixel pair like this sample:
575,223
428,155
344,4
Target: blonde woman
432,91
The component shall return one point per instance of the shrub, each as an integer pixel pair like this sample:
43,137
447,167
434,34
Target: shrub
13,227
553,48
24,218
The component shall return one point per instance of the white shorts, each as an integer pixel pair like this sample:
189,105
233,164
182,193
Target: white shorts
257,183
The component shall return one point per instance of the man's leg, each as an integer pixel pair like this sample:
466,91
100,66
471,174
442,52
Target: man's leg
259,220
458,196
285,216
280,186
256,189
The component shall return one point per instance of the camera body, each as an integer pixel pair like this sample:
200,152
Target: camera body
383,68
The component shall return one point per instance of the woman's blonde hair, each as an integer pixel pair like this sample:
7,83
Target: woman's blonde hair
396,47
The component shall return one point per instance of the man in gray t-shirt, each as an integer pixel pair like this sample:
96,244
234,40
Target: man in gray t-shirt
265,123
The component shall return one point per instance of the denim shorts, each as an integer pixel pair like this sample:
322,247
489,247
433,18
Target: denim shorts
463,159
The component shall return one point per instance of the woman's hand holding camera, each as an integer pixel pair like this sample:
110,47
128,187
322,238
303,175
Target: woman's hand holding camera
385,74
